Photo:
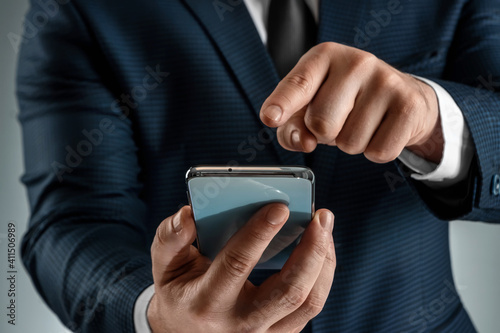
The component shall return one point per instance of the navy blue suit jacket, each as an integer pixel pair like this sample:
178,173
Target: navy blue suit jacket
119,98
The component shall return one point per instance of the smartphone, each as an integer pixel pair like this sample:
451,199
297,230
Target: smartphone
224,198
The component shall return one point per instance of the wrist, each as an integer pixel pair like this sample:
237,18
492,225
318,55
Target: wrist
151,314
431,144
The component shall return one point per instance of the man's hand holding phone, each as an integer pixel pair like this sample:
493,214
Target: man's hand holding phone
193,294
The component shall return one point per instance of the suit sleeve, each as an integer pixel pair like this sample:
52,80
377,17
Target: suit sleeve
85,247
472,78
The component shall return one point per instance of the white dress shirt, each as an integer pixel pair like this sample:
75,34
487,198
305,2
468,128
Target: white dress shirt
454,165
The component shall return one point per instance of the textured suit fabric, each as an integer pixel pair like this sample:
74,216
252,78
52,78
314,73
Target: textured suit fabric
119,98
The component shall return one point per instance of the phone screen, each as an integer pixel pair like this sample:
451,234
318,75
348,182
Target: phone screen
222,204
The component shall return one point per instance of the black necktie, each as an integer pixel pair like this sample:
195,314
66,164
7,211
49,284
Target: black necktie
291,31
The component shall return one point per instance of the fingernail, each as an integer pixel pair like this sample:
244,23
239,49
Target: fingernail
326,220
276,215
273,112
296,140
177,223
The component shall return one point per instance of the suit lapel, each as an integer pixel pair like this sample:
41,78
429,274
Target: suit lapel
232,30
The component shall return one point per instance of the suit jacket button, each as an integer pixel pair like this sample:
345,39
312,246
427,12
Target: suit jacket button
495,185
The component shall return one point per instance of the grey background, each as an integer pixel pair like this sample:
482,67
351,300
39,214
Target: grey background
475,247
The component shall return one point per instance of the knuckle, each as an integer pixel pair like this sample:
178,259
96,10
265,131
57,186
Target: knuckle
162,232
322,127
248,325
236,264
293,297
406,106
327,46
331,258
362,60
381,155
387,80
323,49
301,81
407,103
349,144
314,59
320,249
263,234
283,135
313,306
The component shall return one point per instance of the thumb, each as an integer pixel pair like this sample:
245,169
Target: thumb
171,248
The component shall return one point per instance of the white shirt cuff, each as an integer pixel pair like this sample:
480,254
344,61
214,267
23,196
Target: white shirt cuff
141,323
458,148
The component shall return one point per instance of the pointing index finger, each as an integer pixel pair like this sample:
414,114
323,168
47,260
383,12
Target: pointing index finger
296,89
